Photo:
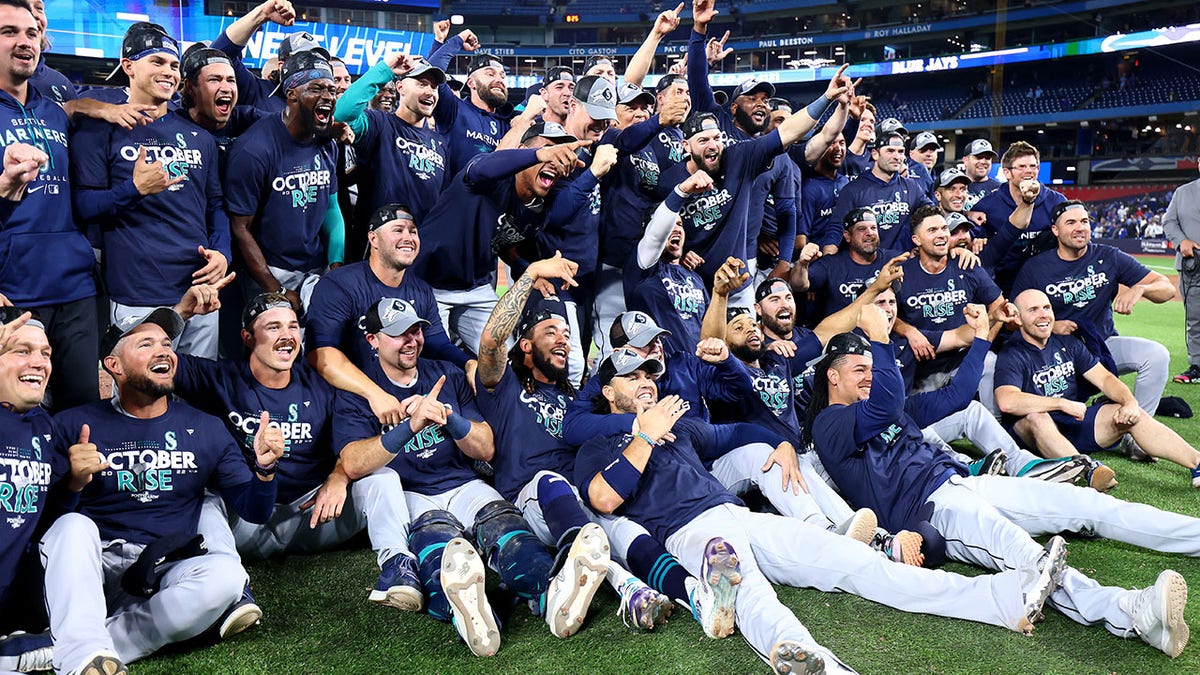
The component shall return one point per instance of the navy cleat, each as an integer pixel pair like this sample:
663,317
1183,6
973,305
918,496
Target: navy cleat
398,585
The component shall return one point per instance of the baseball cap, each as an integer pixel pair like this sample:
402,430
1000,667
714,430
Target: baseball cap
392,316
556,73
779,104
666,81
426,69
10,313
538,310
261,303
163,317
771,285
889,138
484,60
630,92
980,146
840,345
1064,207
955,220
598,97
697,122
141,40
387,213
859,215
199,55
595,61
551,131
634,328
891,125
732,313
302,68
924,140
952,176
626,361
753,86
300,42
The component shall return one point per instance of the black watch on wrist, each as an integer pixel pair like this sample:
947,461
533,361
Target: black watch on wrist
266,472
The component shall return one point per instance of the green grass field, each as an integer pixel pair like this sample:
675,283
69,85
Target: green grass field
317,618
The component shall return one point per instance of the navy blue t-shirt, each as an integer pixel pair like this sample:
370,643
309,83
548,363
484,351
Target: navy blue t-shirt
468,130
1083,289
977,190
935,301
150,243
528,429
158,469
715,221
876,453
892,203
52,84
674,488
1053,371
431,462
303,411
772,406
814,215
286,186
836,280
673,295
406,165
32,459
631,192
997,206
337,314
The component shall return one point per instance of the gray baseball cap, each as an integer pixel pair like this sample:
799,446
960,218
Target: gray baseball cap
753,86
301,42
924,140
392,316
952,176
636,329
598,97
980,146
163,317
955,220
626,361
551,131
425,69
630,92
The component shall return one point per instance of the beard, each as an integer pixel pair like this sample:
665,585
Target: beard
625,404
144,385
777,327
745,121
746,354
541,361
491,98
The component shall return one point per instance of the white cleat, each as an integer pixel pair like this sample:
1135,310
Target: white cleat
571,590
462,581
860,527
1044,579
793,658
642,607
713,596
1158,613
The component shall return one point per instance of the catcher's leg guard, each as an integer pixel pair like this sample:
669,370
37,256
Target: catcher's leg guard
512,550
427,537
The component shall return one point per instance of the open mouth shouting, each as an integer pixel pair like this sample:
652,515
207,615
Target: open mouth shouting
162,366
323,114
284,349
223,103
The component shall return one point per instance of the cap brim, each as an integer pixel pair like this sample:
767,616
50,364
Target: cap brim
985,152
761,86
645,95
163,317
403,328
646,338
433,72
597,112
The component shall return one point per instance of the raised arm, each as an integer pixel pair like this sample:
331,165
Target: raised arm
643,59
797,124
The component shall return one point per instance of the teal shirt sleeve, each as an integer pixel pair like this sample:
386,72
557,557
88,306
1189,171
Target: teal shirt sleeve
351,108
334,229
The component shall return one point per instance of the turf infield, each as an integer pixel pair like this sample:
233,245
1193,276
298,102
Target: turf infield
318,620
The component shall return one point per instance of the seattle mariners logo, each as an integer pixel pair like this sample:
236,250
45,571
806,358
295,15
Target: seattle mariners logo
303,183
548,413
1055,379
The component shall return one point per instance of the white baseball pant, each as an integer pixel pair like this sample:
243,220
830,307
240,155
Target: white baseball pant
465,313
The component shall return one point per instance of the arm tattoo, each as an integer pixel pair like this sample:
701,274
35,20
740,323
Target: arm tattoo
499,326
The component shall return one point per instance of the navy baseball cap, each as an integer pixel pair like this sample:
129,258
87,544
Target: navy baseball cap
141,40
484,60
859,215
300,42
302,68
779,104
538,310
889,138
634,328
840,345
753,86
9,314
596,60
163,317
261,303
392,316
980,146
556,73
771,285
626,361
698,122
667,80
199,55
1064,207
387,213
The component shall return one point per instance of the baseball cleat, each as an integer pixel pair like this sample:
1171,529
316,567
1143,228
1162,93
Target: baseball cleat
462,581
398,585
902,547
1134,451
1058,470
26,652
1045,579
714,594
243,614
991,464
792,658
642,607
102,663
860,526
1100,478
1158,613
1196,477
571,590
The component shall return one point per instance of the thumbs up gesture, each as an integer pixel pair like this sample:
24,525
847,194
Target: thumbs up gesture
86,460
268,443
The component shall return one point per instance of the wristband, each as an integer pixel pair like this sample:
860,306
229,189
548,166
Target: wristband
622,476
458,426
266,471
818,107
393,441
649,441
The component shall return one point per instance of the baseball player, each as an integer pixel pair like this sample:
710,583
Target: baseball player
977,163
892,196
859,422
656,477
131,551
264,93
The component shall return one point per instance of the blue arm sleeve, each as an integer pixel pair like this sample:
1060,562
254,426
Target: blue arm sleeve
254,500
334,230
697,74
785,215
886,402
351,108
932,406
439,346
497,165
91,205
726,437
219,238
